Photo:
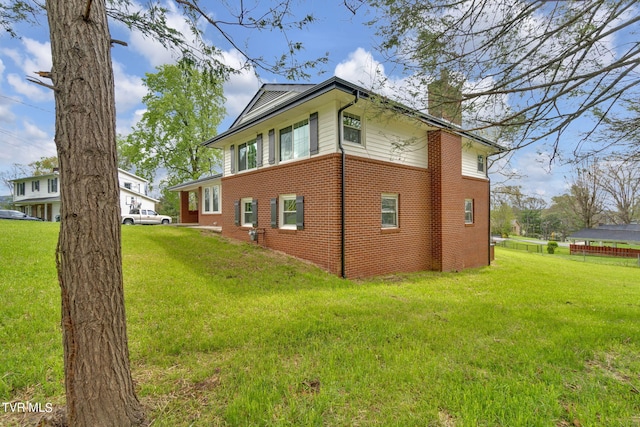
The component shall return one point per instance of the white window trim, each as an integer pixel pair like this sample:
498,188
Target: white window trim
211,210
481,160
345,141
281,211
243,203
246,144
279,142
393,196
466,202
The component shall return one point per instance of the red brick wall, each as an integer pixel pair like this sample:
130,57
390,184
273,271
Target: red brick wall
476,236
431,233
456,245
187,216
447,199
318,180
372,250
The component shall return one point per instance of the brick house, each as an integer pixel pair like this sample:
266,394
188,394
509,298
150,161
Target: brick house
324,173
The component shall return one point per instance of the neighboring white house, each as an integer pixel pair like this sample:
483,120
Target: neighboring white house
39,196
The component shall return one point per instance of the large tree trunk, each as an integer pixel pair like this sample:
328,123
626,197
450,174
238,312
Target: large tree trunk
98,381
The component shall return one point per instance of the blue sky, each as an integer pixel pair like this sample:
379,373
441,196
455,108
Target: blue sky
27,110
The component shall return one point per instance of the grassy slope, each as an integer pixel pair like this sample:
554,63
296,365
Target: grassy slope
230,334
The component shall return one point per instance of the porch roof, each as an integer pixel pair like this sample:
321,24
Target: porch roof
193,185
37,200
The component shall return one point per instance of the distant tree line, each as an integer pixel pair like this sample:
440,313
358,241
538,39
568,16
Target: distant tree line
598,191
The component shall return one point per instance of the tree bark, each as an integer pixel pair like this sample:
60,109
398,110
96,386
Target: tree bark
99,387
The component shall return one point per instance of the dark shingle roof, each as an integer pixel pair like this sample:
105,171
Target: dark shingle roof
628,233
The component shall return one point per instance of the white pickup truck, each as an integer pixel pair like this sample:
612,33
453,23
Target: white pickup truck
145,216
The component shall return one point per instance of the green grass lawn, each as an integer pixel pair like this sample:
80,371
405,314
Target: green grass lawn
223,333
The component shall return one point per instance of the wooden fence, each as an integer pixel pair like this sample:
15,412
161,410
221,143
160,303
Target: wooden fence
604,251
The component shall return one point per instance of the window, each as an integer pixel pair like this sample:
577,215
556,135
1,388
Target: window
352,127
20,189
211,199
294,141
389,211
52,185
127,185
35,186
480,163
288,211
468,211
249,212
247,158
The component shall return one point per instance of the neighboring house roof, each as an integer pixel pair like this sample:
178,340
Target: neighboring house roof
627,227
192,185
272,100
629,233
26,178
39,200
139,178
135,193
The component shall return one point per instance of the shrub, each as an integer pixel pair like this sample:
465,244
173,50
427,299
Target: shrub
551,247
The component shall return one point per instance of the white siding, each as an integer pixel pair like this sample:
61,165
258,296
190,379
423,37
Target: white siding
470,153
136,184
30,193
390,138
327,125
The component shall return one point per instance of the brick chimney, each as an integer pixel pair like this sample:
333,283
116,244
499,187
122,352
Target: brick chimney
445,98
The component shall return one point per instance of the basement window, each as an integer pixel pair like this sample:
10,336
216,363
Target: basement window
389,211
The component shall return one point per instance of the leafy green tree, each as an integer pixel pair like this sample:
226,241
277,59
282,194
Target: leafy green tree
44,166
501,220
563,207
587,194
185,105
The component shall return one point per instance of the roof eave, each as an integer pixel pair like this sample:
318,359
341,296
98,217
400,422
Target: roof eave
350,88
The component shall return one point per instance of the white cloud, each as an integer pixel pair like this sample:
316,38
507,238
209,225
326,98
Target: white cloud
361,68
125,125
153,50
240,87
6,115
1,70
28,89
25,144
34,56
129,88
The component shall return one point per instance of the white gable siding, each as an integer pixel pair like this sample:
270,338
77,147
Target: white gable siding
470,153
132,182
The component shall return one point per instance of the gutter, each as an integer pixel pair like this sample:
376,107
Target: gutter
342,187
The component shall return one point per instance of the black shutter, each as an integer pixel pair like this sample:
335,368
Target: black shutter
236,208
313,134
232,158
254,212
272,146
259,150
274,213
300,212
